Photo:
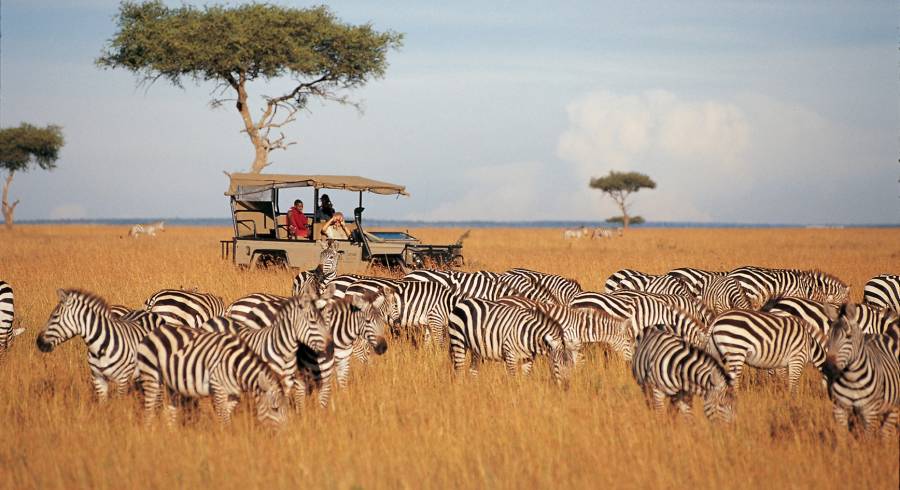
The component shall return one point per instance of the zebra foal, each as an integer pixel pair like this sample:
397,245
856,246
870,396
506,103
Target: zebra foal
190,363
665,366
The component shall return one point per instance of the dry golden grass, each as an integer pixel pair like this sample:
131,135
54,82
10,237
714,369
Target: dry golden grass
404,421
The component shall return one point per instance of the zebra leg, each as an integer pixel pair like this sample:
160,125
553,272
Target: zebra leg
171,407
325,389
841,416
657,399
683,404
795,369
301,389
457,355
527,365
152,398
734,364
473,366
512,363
889,425
872,420
342,366
101,387
361,350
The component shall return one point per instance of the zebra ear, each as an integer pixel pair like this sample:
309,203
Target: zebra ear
379,300
551,342
18,331
832,313
848,310
62,294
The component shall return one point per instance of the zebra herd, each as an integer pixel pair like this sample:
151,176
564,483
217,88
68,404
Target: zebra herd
687,332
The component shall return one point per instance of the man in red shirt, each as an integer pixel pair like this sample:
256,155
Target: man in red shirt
298,229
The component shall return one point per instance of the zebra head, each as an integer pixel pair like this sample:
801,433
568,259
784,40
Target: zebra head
845,339
328,260
373,319
271,399
308,322
67,319
719,401
826,288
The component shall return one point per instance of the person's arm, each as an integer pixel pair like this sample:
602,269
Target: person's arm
325,227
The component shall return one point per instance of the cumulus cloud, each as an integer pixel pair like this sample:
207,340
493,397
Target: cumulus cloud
68,211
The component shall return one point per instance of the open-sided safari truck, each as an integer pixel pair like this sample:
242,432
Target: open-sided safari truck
261,232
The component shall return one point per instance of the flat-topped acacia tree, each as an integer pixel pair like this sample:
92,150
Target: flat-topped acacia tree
21,148
619,186
233,46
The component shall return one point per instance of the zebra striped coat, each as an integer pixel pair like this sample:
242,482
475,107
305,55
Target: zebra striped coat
496,332
695,280
870,319
562,289
111,341
7,315
763,340
192,363
629,279
666,366
721,294
761,285
298,323
323,274
883,291
687,304
863,375
256,310
351,319
617,306
648,309
185,308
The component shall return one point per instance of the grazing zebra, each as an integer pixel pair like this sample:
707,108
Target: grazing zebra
763,284
694,280
617,306
686,303
883,291
648,309
562,289
298,322
111,341
324,273
350,318
638,281
763,340
192,363
665,366
148,229
522,285
424,306
256,310
7,315
863,375
185,308
871,320
496,332
722,293
581,325
479,284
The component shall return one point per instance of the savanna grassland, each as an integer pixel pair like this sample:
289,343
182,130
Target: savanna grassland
404,421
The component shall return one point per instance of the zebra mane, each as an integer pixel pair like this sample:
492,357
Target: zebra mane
820,274
89,298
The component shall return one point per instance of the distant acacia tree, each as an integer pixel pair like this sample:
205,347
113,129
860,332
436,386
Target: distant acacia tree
634,220
619,186
236,45
20,148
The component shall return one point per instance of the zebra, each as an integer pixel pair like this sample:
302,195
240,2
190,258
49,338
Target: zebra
630,279
298,322
7,316
478,284
694,279
497,332
863,375
562,289
581,325
111,342
665,366
688,304
871,320
192,363
324,273
256,310
763,340
648,309
611,304
762,284
120,310
185,308
351,318
721,294
148,229
421,305
883,291
522,285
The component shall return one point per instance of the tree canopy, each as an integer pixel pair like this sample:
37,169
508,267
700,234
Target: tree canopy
620,185
235,45
634,220
20,148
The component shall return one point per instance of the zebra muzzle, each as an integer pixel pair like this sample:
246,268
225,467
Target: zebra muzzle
43,345
380,346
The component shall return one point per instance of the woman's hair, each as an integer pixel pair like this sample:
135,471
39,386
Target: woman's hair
338,214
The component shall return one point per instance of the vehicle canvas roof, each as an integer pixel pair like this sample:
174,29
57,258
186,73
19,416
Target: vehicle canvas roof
243,183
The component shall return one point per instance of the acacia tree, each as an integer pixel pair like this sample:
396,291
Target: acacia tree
22,146
620,185
237,45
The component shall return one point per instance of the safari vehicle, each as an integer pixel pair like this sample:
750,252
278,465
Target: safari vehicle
261,232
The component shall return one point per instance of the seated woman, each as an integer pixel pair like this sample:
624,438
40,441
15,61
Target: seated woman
334,228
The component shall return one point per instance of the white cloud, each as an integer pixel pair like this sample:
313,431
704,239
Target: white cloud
68,211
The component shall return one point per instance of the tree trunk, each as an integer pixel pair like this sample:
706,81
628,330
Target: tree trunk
8,209
261,158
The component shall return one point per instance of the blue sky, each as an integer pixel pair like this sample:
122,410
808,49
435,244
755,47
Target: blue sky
742,112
